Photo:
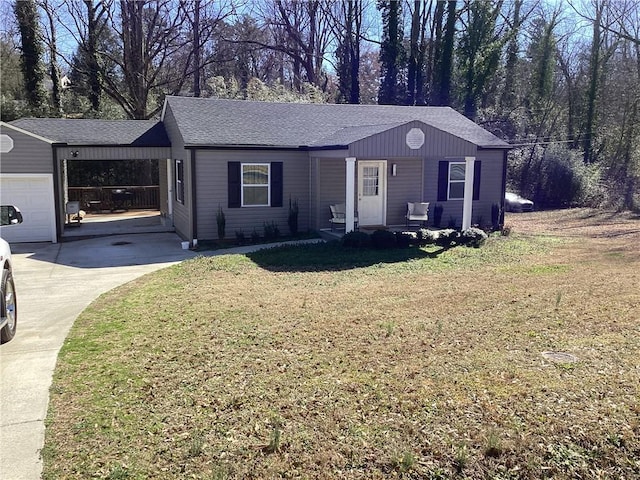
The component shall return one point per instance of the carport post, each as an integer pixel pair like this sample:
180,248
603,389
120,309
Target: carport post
350,200
467,207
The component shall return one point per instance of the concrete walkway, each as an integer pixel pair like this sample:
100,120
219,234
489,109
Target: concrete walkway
54,283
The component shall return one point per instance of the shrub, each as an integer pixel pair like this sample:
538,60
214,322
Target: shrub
555,176
437,215
426,237
383,239
255,236
271,231
292,219
356,240
404,239
221,221
495,216
473,237
240,238
447,238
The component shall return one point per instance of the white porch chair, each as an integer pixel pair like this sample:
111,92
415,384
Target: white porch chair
338,216
417,212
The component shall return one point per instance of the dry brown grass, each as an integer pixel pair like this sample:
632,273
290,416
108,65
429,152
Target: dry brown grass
228,367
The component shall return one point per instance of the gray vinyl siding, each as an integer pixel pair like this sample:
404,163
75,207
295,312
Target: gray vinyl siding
212,191
405,187
490,188
332,177
181,211
392,143
29,154
113,153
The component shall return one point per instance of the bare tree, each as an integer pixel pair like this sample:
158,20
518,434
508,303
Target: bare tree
300,32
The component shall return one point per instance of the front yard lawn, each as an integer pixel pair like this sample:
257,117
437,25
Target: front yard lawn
316,362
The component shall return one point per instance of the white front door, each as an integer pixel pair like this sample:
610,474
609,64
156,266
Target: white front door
372,192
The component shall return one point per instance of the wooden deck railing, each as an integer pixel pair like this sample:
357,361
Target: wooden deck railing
103,198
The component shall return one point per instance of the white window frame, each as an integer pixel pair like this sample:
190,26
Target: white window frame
179,165
450,181
259,185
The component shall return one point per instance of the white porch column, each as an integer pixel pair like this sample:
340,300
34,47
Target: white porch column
350,193
467,208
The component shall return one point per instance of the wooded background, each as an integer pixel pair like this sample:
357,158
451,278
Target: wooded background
560,80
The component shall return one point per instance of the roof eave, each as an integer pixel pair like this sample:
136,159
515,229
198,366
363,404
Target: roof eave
196,146
495,147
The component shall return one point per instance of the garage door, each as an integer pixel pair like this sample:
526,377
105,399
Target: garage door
33,195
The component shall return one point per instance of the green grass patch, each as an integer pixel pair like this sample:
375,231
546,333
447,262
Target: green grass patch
318,361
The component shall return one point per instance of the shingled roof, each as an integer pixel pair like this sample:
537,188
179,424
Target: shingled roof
220,122
134,133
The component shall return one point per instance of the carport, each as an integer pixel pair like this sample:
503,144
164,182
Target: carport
43,149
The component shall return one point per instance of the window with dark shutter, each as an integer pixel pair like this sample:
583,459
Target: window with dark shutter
234,185
179,169
443,180
451,180
276,184
255,184
477,169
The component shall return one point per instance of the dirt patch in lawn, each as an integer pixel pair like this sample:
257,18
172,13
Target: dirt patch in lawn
418,368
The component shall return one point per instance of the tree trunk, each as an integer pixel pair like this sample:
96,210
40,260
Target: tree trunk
197,51
443,95
592,93
54,70
91,46
510,88
31,56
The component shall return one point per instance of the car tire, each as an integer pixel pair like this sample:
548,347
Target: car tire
8,306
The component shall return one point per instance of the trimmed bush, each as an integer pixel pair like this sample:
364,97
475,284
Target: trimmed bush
383,239
356,240
426,237
447,238
405,239
473,237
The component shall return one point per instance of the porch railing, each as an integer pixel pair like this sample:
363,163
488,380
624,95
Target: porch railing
102,198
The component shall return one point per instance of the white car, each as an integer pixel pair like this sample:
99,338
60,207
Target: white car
9,215
515,203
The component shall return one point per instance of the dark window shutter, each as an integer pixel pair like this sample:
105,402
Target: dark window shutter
234,185
276,184
443,180
476,179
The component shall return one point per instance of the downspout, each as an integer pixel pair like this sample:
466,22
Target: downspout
170,192
194,202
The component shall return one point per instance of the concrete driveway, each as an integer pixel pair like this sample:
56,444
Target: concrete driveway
54,283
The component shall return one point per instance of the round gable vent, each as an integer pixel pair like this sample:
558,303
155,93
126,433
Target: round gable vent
415,138
6,143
